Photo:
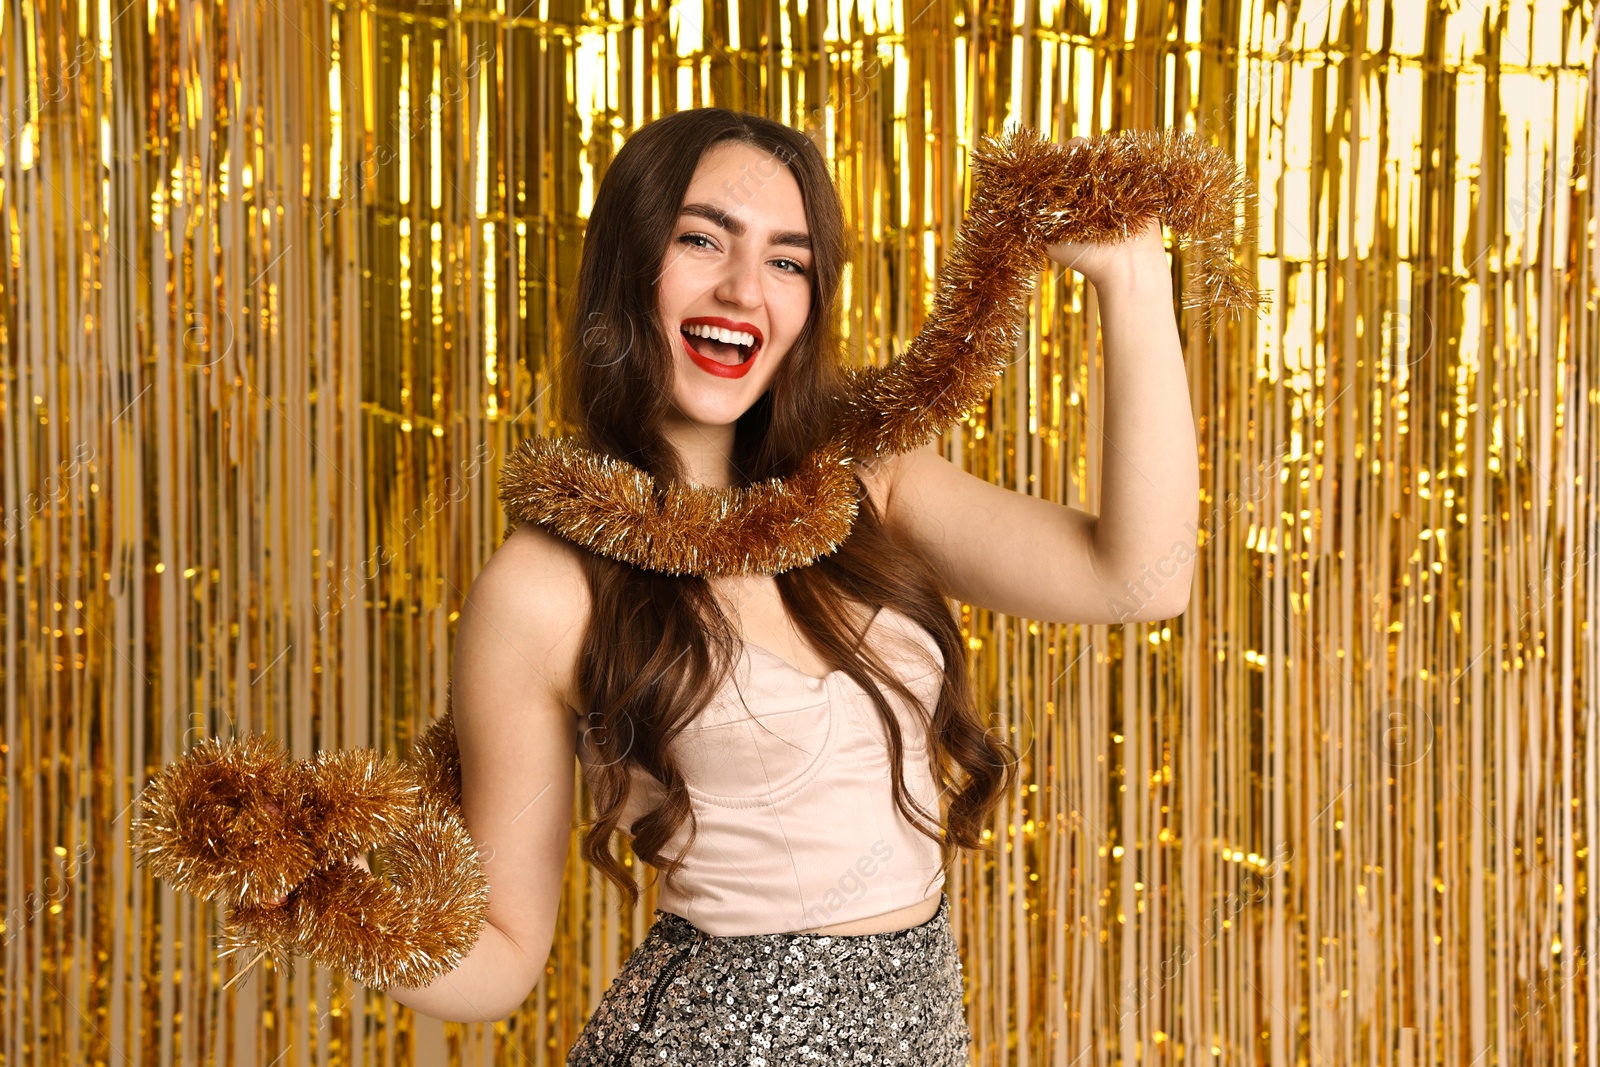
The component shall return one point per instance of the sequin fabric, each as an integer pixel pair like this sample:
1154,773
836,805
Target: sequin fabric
768,1000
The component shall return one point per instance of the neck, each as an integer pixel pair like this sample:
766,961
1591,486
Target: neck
705,451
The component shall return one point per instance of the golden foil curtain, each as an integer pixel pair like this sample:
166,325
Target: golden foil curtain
280,285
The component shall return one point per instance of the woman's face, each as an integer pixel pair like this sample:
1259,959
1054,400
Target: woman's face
738,267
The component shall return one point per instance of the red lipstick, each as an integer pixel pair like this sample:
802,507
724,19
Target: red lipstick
711,366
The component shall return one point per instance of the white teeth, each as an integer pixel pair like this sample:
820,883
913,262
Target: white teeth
717,333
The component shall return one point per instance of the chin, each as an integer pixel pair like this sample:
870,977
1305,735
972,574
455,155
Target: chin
715,403
711,414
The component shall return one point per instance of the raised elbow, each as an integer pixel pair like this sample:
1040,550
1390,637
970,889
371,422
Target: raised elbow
1173,608
1148,608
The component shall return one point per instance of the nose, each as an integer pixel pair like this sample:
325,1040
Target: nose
740,283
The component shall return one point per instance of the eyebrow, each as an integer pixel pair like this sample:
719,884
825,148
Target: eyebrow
711,212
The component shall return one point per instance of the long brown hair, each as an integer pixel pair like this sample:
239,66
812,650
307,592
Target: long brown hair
658,645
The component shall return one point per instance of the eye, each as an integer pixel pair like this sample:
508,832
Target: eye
799,268
697,237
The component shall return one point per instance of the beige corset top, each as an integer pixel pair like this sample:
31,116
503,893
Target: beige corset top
790,783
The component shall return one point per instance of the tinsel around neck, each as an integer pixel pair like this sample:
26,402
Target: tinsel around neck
616,510
1027,193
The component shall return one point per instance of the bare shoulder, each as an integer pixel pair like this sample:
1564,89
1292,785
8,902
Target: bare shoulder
533,597
899,480
878,477
516,647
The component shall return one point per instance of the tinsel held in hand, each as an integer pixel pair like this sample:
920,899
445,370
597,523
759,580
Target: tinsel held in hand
1028,193
269,839
236,822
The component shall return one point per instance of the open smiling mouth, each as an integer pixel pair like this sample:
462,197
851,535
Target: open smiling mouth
730,349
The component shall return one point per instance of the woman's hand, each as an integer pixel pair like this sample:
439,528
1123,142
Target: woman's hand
358,860
1101,263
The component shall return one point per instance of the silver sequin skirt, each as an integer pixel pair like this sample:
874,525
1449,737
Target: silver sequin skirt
767,1000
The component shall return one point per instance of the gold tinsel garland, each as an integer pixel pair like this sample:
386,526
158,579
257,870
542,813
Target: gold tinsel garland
236,822
1028,193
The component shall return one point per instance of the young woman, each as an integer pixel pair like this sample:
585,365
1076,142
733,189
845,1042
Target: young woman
798,754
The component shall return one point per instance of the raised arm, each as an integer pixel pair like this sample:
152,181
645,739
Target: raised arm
1023,556
518,639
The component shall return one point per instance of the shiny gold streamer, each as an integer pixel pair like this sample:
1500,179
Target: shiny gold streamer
280,290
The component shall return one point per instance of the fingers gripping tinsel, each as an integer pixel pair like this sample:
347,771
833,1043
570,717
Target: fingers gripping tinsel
269,839
1027,193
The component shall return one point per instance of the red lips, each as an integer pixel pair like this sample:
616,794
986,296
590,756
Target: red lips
711,366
